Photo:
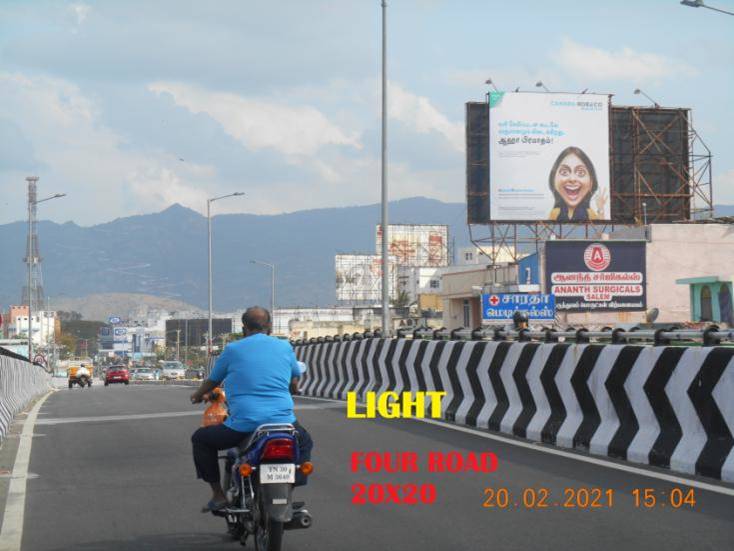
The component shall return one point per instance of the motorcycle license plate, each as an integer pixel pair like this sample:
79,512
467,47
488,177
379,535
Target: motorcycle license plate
278,473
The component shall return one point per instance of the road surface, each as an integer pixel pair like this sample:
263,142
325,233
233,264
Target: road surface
110,468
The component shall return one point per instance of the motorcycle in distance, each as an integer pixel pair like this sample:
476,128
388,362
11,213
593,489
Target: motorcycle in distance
259,477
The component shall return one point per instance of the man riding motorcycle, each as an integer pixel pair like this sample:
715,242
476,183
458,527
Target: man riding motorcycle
259,373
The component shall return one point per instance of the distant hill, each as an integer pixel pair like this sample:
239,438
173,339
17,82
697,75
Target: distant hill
101,306
165,254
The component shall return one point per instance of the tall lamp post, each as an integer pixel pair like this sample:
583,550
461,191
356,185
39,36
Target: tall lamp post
32,204
385,264
700,4
655,103
272,284
209,232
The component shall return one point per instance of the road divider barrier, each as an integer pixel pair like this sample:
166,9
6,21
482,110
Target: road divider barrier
20,383
666,406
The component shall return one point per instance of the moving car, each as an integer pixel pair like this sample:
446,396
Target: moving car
143,374
117,374
173,370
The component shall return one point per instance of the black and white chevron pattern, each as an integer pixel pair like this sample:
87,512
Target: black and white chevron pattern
665,406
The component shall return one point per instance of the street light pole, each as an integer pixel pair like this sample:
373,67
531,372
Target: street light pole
384,197
700,4
30,298
209,234
31,262
178,344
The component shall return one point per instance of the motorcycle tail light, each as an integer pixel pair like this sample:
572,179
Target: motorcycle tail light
307,468
279,449
245,470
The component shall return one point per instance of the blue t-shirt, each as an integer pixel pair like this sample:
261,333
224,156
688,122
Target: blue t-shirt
256,372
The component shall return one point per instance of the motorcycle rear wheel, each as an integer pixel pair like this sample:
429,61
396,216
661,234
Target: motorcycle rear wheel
268,534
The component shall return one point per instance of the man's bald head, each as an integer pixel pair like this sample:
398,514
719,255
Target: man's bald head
256,319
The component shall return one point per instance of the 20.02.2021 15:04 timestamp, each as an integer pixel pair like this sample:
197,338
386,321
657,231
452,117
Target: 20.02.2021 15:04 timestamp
586,498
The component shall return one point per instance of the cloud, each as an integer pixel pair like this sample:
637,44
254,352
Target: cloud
260,124
422,116
81,11
79,155
588,62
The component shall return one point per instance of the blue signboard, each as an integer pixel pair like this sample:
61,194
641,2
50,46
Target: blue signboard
114,320
502,306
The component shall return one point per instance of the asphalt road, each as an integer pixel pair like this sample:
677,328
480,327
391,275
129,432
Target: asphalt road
127,483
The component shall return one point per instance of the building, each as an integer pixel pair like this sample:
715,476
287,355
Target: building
193,332
463,286
673,252
673,277
45,325
710,298
475,255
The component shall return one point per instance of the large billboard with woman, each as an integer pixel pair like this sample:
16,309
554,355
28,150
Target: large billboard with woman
548,157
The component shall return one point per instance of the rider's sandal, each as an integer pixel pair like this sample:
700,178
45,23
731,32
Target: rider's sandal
214,506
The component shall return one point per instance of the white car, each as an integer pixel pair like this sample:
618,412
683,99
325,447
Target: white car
173,370
144,374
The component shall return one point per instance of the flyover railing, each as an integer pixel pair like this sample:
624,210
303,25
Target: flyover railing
711,336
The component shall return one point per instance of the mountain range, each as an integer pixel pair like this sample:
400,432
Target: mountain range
165,254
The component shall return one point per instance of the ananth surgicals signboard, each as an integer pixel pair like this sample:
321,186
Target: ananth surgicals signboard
602,276
502,306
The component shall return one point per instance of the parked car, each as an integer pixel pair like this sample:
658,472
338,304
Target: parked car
117,374
173,370
143,374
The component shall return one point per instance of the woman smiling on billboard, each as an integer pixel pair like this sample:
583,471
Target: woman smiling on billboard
573,182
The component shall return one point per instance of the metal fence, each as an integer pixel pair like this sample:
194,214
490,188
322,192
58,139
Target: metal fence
20,383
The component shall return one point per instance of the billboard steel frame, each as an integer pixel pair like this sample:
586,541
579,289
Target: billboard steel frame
694,190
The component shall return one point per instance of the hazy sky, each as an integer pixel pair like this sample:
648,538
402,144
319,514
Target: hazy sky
129,106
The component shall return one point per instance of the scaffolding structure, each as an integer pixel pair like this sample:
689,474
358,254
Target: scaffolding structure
359,278
660,172
416,245
661,168
33,295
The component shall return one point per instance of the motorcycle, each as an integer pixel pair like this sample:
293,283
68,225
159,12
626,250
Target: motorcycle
259,477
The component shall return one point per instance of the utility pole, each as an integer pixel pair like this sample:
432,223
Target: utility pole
385,264
178,342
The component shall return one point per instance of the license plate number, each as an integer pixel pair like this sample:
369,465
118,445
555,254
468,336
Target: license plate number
278,473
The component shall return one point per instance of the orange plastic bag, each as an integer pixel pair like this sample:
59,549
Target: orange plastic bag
216,413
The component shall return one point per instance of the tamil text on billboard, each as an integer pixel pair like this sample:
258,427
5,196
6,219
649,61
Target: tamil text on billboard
359,277
548,157
416,244
502,306
596,275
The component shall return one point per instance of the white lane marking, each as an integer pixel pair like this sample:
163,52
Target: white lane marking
569,455
11,532
137,416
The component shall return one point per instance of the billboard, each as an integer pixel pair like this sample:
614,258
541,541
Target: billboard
416,245
502,306
359,277
602,276
548,157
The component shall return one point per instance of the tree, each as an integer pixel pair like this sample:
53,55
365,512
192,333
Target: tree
402,300
69,316
67,342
